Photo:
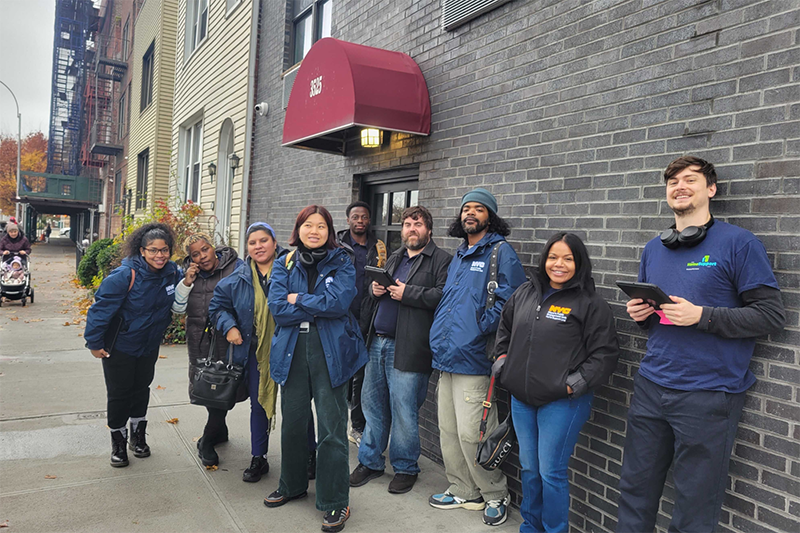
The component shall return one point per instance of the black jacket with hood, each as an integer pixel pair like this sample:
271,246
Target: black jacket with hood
569,339
365,305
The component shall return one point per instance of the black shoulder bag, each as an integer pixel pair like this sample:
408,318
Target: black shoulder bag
215,383
498,444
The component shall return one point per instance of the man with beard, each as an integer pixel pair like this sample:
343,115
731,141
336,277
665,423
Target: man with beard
691,385
462,339
396,377
365,249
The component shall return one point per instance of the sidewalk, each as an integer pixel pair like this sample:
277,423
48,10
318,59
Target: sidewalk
54,444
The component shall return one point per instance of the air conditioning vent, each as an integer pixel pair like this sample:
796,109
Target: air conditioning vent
458,12
288,83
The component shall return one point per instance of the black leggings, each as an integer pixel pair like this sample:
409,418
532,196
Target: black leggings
216,421
128,382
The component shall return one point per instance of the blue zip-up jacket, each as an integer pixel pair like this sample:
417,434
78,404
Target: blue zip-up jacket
328,308
146,309
462,324
234,304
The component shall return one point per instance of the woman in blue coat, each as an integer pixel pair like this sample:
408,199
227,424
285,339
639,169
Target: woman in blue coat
138,298
239,310
316,349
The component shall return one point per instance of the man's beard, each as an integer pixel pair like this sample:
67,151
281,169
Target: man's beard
477,228
359,231
688,210
421,243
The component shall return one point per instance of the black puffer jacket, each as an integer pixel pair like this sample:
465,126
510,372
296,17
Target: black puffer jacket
569,339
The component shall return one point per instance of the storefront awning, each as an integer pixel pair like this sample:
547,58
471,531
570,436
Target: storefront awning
342,88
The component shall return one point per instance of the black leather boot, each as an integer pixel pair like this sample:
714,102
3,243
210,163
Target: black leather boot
205,450
138,442
119,453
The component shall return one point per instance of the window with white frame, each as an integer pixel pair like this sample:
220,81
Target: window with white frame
311,21
192,150
147,77
196,25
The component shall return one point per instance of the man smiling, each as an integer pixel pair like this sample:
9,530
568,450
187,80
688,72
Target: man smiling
690,389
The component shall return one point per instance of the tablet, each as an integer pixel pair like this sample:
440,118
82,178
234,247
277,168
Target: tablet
379,275
645,291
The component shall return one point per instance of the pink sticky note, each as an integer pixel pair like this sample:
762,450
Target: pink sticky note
664,319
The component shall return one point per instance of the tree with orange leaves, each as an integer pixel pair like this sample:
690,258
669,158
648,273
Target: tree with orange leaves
33,158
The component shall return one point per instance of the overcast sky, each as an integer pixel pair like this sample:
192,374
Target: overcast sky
26,59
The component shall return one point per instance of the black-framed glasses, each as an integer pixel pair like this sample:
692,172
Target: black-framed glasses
157,251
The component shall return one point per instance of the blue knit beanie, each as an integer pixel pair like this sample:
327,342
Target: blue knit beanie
482,196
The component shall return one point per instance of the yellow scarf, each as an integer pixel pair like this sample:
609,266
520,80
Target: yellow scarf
265,328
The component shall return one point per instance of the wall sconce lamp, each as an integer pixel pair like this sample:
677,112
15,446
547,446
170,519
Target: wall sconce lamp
371,137
233,159
212,171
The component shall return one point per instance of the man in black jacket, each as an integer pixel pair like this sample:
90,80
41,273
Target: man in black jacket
396,379
365,249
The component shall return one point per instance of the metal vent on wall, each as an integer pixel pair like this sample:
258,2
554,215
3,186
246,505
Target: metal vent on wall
458,12
288,82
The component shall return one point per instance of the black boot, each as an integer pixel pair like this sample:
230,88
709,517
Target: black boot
221,436
119,453
138,442
258,467
205,450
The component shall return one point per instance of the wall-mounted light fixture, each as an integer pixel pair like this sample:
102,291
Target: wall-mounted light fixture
212,171
233,159
371,137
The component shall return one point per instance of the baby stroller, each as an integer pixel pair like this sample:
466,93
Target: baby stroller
16,288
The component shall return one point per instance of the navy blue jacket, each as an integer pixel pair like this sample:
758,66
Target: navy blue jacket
462,325
146,309
328,308
234,303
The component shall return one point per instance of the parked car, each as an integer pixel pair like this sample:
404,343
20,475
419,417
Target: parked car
64,232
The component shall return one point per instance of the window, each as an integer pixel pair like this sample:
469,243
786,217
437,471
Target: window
66,189
192,156
126,30
311,21
142,169
231,4
147,77
223,204
388,195
196,25
121,129
118,188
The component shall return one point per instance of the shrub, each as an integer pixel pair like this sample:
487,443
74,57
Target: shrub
87,269
109,258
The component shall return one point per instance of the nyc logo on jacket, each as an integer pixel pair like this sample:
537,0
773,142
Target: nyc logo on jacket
558,313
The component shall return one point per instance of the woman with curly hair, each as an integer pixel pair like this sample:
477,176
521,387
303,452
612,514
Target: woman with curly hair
124,328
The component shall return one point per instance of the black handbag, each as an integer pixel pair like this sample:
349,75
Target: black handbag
215,383
498,444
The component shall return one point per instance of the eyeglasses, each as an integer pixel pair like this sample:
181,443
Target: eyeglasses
157,251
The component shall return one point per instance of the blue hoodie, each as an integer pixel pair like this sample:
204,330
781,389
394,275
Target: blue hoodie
145,310
462,325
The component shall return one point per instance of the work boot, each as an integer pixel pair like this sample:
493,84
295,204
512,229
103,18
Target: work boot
119,453
138,441
206,452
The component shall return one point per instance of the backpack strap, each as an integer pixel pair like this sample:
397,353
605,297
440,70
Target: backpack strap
289,264
133,278
381,249
492,285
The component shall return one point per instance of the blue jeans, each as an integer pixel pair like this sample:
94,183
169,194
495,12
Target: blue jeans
391,400
547,436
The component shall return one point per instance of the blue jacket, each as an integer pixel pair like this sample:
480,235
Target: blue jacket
328,307
462,325
233,305
146,309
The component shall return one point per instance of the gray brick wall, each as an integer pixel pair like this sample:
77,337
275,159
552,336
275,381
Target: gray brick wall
568,111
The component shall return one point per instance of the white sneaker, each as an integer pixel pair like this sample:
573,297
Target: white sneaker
354,436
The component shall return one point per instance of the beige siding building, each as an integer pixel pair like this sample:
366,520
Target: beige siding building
212,118
152,89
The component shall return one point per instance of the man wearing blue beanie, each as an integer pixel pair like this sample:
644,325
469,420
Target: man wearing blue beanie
463,349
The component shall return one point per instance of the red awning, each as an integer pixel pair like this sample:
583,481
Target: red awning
341,88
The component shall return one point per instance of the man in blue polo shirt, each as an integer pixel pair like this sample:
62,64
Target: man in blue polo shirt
690,389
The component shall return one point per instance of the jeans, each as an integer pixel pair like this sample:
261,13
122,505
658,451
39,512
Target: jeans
128,382
547,435
691,430
391,399
259,423
309,377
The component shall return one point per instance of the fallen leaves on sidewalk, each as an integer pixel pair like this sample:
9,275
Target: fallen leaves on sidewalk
13,318
50,477
4,524
172,421
67,323
162,356
196,439
161,388
33,320
212,468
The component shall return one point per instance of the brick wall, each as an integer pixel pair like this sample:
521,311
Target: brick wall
568,111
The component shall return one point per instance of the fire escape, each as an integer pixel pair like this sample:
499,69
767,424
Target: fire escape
105,82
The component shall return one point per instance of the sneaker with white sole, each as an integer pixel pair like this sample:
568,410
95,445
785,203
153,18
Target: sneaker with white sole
446,500
333,521
354,436
496,512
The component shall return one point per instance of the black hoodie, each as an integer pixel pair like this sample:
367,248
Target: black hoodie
569,339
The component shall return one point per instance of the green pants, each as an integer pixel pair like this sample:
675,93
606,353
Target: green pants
309,378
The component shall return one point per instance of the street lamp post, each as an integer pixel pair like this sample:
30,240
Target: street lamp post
19,143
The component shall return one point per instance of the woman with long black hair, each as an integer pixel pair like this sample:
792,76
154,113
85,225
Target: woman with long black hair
557,343
132,310
316,349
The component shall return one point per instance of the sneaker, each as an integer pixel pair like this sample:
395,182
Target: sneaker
276,499
354,435
362,475
402,483
258,467
333,521
496,512
446,500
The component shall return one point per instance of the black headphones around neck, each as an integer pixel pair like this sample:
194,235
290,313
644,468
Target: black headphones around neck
690,237
311,257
